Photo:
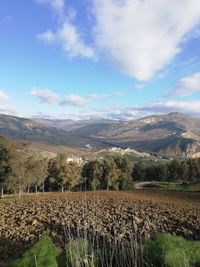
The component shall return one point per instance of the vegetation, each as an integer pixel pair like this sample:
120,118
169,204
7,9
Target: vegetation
164,250
169,251
21,172
173,171
183,186
42,254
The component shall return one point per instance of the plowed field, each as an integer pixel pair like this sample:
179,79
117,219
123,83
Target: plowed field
111,215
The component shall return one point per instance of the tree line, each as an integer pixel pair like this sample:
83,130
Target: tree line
172,171
21,172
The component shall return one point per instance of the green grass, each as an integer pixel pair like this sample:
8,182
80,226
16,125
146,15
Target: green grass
164,250
44,253
193,186
80,253
170,251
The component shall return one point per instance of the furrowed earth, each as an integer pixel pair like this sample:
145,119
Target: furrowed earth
112,216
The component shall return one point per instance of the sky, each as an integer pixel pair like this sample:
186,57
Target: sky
112,59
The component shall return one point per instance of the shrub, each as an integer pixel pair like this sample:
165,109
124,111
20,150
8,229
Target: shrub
171,251
44,253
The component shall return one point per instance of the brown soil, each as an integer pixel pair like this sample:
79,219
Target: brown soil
110,215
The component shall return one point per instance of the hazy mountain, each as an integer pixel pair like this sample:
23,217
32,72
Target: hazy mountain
65,124
174,133
70,124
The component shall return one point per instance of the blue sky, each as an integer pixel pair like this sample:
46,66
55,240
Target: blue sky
99,58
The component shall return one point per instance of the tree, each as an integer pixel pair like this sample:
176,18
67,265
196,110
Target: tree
72,176
92,173
57,170
193,169
51,182
125,172
162,172
62,174
5,148
139,173
36,171
16,179
110,177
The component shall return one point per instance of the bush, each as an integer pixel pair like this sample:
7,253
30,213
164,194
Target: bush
44,253
170,251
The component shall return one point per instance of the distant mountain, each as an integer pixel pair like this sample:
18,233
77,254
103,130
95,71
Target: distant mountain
174,133
171,134
64,124
39,130
70,124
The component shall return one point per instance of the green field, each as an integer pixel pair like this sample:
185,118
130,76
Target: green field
193,187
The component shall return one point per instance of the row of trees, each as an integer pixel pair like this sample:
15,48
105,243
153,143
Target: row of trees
20,171
172,171
111,173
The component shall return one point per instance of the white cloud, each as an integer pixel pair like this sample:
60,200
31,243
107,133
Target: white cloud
187,106
57,5
48,37
74,100
188,85
136,112
3,97
45,95
142,37
70,39
96,96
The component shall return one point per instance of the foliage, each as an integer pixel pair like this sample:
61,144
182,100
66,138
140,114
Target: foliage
164,250
21,171
5,147
43,254
63,174
110,177
17,178
80,253
170,251
175,170
92,173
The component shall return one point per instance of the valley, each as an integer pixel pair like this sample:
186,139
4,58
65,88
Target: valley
174,134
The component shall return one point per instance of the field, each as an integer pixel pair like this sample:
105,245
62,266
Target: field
112,216
184,186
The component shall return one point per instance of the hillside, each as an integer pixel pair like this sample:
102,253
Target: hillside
172,134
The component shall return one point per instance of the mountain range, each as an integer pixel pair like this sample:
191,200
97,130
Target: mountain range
172,134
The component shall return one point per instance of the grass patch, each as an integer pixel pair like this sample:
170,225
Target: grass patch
44,253
184,186
164,250
80,253
171,251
